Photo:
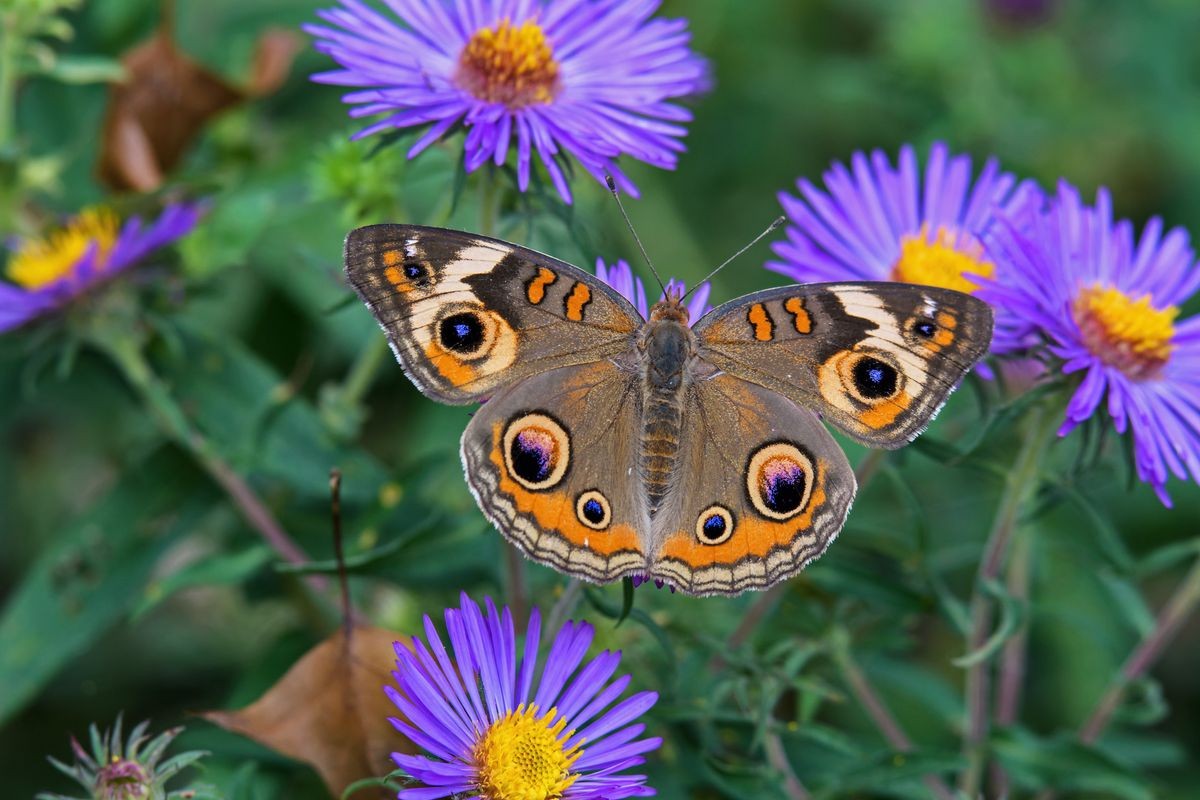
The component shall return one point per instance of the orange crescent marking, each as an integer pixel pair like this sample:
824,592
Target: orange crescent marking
752,535
537,286
795,307
885,413
555,512
943,337
453,370
392,258
757,317
947,320
580,296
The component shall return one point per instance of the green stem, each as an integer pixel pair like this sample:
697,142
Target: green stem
128,357
1021,480
9,47
1013,655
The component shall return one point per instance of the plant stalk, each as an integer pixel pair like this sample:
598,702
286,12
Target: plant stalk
1021,480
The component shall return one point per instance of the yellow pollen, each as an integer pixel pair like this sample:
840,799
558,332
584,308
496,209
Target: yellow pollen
1131,335
524,757
510,65
42,261
942,260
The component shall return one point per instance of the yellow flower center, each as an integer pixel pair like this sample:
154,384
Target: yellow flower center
942,260
510,65
1131,335
42,261
524,757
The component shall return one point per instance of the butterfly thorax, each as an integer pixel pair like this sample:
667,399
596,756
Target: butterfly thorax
667,346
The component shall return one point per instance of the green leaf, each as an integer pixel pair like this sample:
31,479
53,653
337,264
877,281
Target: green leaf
226,234
84,69
1012,613
1066,765
78,589
219,569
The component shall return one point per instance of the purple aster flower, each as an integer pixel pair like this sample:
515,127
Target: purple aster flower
92,247
585,78
495,728
621,277
877,222
1105,302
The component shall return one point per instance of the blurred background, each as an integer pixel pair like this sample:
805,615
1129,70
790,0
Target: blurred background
159,601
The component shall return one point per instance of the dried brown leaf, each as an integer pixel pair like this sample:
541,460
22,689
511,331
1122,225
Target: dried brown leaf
167,99
329,710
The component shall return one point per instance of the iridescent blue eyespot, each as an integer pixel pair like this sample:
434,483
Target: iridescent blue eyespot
714,525
537,451
593,510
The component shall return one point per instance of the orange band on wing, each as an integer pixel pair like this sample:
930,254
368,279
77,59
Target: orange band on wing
536,290
752,536
795,307
579,297
885,413
555,512
395,277
947,320
761,320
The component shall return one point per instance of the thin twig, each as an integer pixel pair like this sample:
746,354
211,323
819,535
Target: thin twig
1019,483
777,758
175,424
877,710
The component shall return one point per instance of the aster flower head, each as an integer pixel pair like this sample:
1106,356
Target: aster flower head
498,728
92,247
877,222
1106,303
620,276
126,769
590,79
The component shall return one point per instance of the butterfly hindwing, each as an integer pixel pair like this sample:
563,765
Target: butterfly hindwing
766,491
468,315
875,359
550,462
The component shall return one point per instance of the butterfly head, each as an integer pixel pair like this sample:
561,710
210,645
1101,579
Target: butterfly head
671,307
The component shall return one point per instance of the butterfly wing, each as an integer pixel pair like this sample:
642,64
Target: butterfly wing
766,490
875,359
467,315
551,463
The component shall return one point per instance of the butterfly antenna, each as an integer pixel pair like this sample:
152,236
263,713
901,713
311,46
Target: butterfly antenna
778,221
612,187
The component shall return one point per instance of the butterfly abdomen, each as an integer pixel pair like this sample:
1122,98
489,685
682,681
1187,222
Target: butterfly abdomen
668,348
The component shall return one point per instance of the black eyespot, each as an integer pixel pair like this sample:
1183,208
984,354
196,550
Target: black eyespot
461,332
414,270
783,485
532,455
714,527
593,510
874,379
925,329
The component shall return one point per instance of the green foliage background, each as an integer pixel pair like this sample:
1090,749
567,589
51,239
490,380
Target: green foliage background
129,582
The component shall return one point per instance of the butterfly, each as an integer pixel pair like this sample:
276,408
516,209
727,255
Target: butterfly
608,445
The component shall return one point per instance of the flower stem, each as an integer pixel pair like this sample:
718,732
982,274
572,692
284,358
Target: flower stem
876,709
1177,609
1020,482
777,758
1013,656
128,357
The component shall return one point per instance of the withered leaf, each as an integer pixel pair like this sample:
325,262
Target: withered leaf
329,710
167,98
